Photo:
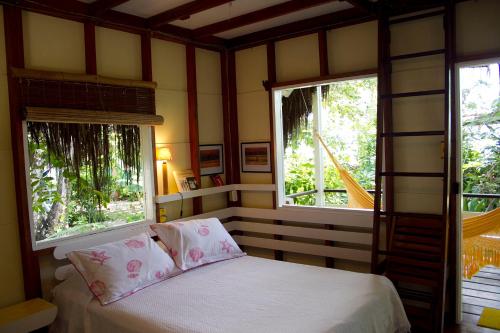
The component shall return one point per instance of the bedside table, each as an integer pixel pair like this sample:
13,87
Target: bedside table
27,316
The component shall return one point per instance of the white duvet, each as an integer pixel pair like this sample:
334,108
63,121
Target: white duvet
246,294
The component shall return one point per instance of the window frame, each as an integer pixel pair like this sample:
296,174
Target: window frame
279,148
138,226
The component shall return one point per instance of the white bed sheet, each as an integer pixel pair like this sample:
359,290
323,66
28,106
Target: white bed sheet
246,294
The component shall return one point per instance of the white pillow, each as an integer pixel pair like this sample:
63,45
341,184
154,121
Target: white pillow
116,270
197,242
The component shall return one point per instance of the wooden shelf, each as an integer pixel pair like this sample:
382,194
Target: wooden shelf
27,316
215,190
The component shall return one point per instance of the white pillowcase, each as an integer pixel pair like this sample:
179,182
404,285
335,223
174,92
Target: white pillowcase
197,242
116,270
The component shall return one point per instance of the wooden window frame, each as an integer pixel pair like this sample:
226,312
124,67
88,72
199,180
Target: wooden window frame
149,197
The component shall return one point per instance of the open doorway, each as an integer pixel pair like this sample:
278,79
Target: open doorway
479,88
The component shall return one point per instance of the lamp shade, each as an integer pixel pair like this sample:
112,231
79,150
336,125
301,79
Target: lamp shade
163,154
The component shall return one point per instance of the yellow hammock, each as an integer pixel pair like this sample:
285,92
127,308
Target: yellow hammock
480,247
481,242
357,197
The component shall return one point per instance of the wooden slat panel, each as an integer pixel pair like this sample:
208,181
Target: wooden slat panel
75,116
61,76
472,309
466,284
481,294
488,275
304,248
333,235
481,302
339,217
486,281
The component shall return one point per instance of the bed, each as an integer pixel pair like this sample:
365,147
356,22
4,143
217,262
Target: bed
245,294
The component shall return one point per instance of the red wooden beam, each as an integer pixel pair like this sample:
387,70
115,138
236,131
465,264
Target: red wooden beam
99,7
90,50
323,53
311,25
257,16
183,11
15,58
194,141
230,121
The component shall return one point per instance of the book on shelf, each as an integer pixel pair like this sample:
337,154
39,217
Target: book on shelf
186,181
217,180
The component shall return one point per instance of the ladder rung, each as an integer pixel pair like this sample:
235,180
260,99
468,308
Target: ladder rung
415,93
411,279
429,257
413,262
417,54
417,17
412,174
414,215
417,133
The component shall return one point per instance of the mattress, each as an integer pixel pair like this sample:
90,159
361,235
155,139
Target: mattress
246,294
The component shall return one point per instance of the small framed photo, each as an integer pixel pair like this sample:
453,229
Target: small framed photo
211,160
255,157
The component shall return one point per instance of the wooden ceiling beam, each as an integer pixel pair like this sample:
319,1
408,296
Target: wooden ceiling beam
99,7
183,11
365,5
258,16
328,21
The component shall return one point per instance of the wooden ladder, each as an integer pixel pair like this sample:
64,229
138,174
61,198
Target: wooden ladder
414,256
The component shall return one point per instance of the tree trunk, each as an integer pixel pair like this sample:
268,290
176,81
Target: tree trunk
46,228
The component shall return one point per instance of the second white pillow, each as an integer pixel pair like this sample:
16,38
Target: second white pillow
197,242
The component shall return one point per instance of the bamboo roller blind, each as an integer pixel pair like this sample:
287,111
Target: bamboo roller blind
56,115
86,99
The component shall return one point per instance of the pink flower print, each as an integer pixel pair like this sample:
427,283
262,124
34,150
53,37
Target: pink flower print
226,246
98,288
160,275
134,244
173,253
196,254
99,256
203,230
133,267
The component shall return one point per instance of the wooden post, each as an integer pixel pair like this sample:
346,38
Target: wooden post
271,78
323,53
90,49
230,121
194,142
147,75
13,26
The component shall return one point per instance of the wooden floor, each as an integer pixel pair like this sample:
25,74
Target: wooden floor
483,290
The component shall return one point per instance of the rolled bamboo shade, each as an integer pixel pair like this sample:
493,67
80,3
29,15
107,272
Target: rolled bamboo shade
61,76
76,116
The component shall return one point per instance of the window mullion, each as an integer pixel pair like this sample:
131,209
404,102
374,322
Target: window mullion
318,155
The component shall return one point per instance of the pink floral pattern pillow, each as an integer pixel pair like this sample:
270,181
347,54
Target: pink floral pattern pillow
116,270
197,242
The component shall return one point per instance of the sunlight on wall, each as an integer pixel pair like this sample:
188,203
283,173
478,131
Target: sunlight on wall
52,43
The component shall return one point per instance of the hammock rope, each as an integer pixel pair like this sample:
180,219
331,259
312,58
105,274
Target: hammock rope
357,196
481,242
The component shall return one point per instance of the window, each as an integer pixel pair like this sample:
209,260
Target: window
77,188
343,113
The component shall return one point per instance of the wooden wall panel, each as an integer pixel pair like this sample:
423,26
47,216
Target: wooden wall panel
15,58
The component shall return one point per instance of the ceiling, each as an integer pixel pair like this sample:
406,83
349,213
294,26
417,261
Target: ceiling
223,23
290,11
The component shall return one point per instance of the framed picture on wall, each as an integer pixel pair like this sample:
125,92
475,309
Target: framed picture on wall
211,159
255,157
